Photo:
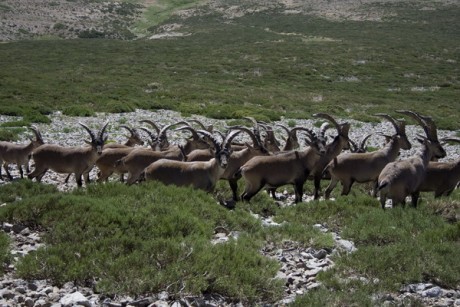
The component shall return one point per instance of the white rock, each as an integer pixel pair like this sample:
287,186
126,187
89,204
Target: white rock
73,298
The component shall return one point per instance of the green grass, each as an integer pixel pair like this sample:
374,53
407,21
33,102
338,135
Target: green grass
143,238
231,70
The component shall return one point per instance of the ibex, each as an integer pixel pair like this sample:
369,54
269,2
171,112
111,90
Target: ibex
333,149
106,160
200,174
442,177
138,159
270,142
402,178
277,170
366,167
77,160
239,158
133,139
18,153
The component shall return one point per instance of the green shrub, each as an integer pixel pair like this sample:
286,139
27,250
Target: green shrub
78,111
5,256
138,239
10,134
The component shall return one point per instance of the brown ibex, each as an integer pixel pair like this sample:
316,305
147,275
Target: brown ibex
442,177
333,149
61,159
18,153
199,174
366,167
277,170
402,178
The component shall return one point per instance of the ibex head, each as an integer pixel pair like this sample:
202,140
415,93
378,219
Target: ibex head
400,128
312,140
222,150
98,139
134,135
342,129
38,137
430,129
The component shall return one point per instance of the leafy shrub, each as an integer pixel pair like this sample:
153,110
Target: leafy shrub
120,107
91,34
78,111
138,239
5,256
10,134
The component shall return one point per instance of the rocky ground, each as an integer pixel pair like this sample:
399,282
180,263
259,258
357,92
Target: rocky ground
299,266
31,19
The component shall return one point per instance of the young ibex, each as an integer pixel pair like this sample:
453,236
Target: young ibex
77,160
442,177
366,167
277,170
18,153
402,178
333,149
200,174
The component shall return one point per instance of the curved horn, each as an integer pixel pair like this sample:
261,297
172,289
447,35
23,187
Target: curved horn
91,133
151,123
163,130
251,134
285,128
353,145
211,137
309,131
229,138
363,141
393,121
193,131
450,139
37,133
324,127
421,120
151,135
208,128
329,118
100,135
129,129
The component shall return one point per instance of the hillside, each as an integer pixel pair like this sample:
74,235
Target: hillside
31,19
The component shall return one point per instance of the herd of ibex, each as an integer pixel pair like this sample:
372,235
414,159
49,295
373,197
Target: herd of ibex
209,155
